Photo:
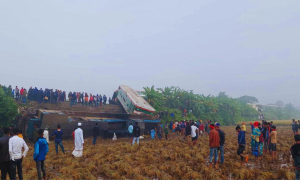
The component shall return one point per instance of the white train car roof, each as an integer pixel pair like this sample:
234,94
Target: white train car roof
136,99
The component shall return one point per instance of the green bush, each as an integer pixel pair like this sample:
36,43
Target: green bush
8,109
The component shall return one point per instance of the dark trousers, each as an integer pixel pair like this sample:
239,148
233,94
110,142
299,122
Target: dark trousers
5,169
95,139
61,146
14,165
40,167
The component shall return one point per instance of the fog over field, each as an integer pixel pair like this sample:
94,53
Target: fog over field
240,47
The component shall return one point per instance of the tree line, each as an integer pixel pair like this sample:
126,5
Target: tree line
221,108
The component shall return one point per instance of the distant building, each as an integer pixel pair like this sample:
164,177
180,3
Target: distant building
253,105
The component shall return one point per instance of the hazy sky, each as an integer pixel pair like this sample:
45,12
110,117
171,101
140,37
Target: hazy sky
241,47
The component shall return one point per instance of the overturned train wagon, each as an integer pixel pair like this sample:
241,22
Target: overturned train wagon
108,126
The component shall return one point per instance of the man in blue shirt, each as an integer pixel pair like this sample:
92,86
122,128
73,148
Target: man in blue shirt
182,126
40,150
58,139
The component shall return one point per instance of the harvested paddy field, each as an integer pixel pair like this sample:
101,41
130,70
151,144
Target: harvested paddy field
171,159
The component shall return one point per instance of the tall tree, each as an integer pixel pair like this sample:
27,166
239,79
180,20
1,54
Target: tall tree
248,99
8,109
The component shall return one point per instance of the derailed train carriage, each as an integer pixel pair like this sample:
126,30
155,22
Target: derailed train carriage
108,123
136,107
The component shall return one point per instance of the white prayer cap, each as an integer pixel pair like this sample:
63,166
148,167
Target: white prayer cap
79,124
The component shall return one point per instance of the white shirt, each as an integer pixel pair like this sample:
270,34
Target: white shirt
193,131
46,135
15,148
79,139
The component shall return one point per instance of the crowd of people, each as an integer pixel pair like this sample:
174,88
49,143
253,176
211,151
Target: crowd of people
166,114
263,139
55,96
13,149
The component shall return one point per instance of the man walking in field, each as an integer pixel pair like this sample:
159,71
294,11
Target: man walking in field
58,139
159,131
136,133
273,140
194,131
130,131
296,127
40,151
214,144
95,133
293,123
222,142
188,133
182,126
16,145
166,131
201,128
242,144
79,141
46,134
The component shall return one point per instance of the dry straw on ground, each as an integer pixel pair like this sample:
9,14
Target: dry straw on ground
171,159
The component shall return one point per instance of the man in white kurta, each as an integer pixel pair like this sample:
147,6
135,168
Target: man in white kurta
46,135
78,142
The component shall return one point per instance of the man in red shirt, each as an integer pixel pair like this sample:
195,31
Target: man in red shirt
214,144
91,100
201,127
21,91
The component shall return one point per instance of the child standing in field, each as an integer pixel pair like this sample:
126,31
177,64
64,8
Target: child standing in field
166,132
244,127
152,133
242,144
273,137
